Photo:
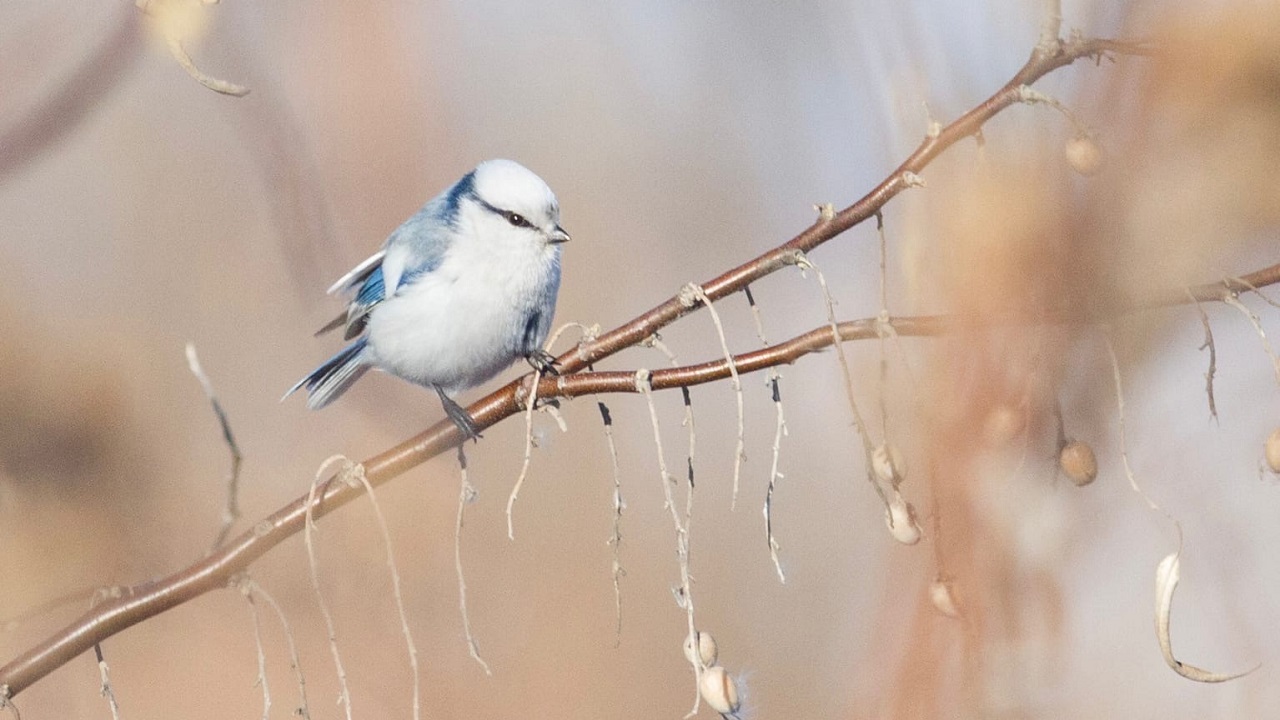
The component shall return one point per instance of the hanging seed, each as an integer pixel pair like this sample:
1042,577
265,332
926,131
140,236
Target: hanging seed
1078,463
719,690
707,650
1084,155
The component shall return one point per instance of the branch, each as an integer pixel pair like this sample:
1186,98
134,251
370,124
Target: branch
219,569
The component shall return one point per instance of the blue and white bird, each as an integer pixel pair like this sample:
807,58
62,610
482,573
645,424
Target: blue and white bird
457,293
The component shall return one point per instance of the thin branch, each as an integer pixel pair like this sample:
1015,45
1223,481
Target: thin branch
104,674
1050,27
354,476
314,498
846,377
529,404
1213,359
247,592
779,430
691,292
619,504
295,663
466,496
684,593
230,513
1124,441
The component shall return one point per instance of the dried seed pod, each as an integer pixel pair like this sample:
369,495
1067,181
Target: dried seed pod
707,650
719,690
1084,155
943,598
1078,463
1272,451
888,464
901,519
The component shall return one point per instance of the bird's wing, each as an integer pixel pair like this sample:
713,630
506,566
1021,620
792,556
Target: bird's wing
367,277
416,248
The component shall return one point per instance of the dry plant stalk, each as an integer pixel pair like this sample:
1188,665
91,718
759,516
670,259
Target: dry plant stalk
466,495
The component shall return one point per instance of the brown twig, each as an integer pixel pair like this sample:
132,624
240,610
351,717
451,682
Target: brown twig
231,511
154,597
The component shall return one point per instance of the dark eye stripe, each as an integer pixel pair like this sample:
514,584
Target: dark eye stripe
515,218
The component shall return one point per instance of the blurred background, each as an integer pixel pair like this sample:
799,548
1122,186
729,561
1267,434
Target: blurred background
140,211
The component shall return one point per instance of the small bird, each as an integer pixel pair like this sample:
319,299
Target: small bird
457,293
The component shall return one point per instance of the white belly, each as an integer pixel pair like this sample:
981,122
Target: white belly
457,326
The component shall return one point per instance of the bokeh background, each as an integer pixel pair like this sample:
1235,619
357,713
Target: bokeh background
140,211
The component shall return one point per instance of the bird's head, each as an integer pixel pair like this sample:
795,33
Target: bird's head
509,198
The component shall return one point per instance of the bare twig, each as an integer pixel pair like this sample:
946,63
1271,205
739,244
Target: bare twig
531,403
1213,358
1031,96
104,675
1124,442
231,512
295,663
344,693
466,496
683,593
779,430
846,376
619,504
246,590
695,291
1254,289
1050,28
353,474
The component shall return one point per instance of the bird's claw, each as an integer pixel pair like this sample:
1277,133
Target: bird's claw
544,362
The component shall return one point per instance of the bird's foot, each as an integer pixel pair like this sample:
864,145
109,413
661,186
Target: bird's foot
543,361
459,417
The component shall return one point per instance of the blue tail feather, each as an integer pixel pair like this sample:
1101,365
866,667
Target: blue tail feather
327,382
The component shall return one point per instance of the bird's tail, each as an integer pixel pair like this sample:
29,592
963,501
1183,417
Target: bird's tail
331,379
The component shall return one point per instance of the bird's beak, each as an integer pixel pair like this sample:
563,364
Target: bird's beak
557,236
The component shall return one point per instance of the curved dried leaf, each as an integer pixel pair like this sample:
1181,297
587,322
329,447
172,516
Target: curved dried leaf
1166,583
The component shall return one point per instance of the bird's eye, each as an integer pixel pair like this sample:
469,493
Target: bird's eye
517,220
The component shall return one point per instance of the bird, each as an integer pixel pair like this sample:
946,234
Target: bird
460,291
